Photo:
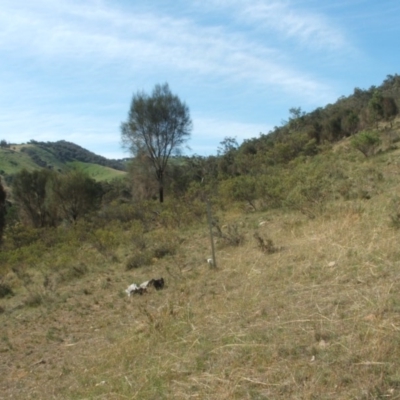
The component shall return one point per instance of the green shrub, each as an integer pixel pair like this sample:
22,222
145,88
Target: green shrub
310,184
272,188
240,188
366,142
19,236
105,239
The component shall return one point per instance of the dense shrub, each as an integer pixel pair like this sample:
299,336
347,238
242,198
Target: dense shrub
366,142
240,188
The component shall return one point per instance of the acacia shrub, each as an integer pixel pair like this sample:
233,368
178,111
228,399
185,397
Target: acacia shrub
273,186
311,183
366,142
76,194
239,189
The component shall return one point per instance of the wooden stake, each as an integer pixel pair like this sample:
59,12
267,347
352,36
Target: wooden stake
214,262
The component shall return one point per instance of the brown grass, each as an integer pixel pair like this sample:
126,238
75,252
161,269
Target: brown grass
317,319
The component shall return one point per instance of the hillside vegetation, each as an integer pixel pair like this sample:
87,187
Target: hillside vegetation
303,302
58,156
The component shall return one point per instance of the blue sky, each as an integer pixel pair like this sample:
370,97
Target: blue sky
69,68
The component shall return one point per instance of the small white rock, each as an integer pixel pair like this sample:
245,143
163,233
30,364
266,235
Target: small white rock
332,264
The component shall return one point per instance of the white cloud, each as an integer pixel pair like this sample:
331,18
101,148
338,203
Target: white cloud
310,29
103,35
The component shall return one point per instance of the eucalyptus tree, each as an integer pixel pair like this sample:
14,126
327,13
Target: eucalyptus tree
158,125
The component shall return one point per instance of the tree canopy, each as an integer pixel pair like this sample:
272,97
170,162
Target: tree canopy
158,125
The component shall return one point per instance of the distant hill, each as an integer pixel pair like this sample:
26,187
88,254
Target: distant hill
59,156
67,151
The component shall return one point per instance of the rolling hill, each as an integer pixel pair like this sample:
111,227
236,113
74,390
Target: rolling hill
59,156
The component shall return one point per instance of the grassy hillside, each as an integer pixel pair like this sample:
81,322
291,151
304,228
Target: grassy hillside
310,311
96,171
12,161
33,156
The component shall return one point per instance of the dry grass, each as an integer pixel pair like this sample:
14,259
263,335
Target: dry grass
317,319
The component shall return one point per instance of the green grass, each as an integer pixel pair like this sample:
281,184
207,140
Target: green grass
96,171
13,161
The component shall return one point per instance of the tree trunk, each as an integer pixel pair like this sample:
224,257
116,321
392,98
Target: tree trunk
160,176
